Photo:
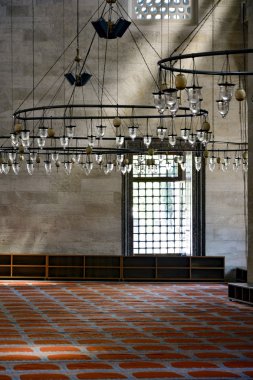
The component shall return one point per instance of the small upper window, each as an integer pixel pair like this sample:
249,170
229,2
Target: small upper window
165,9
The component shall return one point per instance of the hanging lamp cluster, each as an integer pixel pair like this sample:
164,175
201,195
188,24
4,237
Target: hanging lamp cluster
109,135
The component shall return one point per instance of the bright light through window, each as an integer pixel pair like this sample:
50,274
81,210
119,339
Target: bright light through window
161,207
157,9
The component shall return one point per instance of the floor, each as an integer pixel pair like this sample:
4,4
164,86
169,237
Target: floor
97,330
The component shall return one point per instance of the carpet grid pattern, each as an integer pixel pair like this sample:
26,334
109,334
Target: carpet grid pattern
99,330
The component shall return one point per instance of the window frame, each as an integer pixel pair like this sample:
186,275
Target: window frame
192,20
197,217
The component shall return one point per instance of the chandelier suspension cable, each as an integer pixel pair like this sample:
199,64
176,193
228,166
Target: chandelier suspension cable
122,9
63,46
213,47
58,59
144,59
196,30
12,71
33,63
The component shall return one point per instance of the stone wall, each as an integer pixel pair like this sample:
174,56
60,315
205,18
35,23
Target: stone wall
250,115
78,214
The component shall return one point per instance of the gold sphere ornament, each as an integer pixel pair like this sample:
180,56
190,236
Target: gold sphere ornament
245,155
151,151
240,94
18,127
51,132
21,149
117,122
57,164
218,160
88,150
38,159
206,154
180,81
206,126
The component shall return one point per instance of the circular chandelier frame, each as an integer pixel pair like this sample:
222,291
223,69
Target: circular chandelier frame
169,62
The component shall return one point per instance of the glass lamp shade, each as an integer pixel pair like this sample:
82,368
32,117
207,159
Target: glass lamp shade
223,107
15,168
185,133
226,91
194,107
152,168
101,130
78,158
14,140
170,96
43,132
194,94
159,101
161,132
55,156
41,142
147,140
88,167
5,168
212,163
108,167
183,165
227,161
201,135
123,169
192,138
25,134
237,163
168,165
64,141
99,158
68,167
91,140
132,131
70,131
26,143
245,166
161,157
120,141
198,163
119,158
12,156
128,168
173,109
172,139
33,156
224,167
180,159
30,167
48,167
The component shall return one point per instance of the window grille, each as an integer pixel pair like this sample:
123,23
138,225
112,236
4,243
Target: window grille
161,207
165,9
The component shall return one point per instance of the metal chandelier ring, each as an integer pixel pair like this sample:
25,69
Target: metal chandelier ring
170,62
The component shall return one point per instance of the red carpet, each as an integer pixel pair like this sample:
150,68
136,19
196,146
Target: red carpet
73,330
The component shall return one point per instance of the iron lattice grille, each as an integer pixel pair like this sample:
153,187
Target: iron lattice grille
165,9
160,210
